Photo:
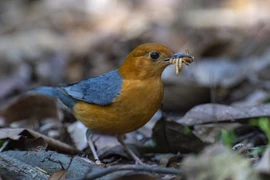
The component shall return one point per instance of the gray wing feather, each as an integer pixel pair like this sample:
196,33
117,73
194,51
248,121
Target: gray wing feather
100,90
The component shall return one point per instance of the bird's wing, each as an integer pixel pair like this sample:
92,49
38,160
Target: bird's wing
100,90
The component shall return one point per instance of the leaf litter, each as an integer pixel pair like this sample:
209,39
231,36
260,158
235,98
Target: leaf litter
231,70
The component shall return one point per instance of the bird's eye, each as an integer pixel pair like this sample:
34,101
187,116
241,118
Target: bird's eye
154,55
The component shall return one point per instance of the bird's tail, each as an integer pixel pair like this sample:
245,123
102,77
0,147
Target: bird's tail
44,90
56,93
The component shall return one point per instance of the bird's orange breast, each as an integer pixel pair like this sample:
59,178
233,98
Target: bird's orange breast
137,103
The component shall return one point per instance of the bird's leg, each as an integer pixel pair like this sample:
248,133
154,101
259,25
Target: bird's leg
89,136
137,160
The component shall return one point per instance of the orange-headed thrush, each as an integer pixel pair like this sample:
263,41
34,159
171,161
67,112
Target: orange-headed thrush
122,100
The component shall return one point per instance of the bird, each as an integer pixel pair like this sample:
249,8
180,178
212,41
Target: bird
122,100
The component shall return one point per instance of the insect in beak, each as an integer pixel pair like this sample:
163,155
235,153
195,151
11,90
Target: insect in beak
178,59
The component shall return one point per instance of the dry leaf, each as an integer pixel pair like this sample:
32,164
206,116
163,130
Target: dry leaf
171,136
135,176
59,175
213,113
27,138
34,107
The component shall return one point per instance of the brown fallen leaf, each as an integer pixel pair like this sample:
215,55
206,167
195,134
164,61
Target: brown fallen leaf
33,107
59,175
175,160
136,176
28,139
213,113
170,136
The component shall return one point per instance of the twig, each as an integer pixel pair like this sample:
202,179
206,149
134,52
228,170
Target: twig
4,145
65,170
141,168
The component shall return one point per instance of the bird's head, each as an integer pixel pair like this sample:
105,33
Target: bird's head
148,61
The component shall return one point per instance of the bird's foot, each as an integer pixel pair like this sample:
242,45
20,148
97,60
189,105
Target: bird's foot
136,159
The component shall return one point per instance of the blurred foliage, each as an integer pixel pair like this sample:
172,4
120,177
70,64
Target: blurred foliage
264,124
258,151
227,137
1,143
267,100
